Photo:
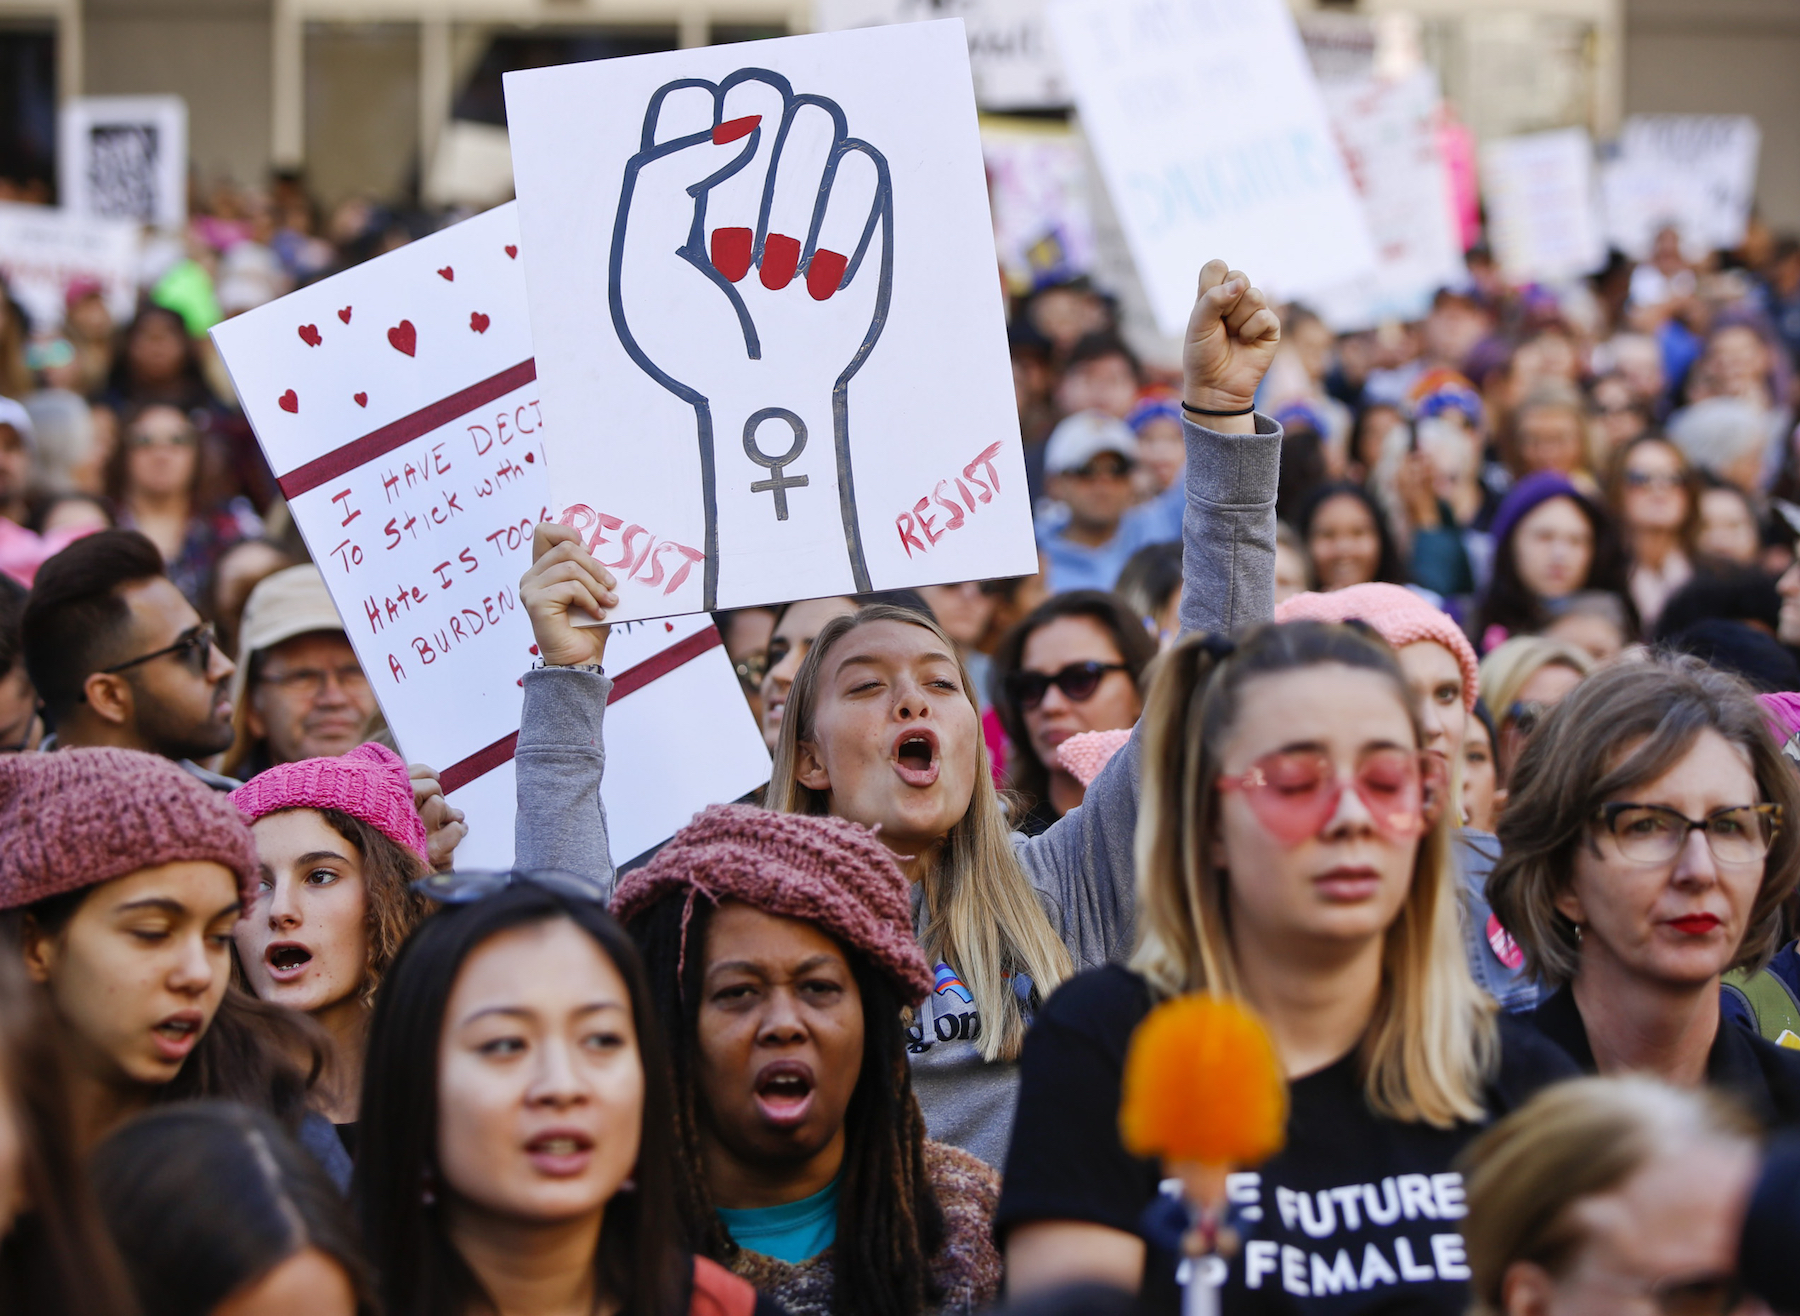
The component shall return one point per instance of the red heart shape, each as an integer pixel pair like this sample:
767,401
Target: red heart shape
478,322
530,457
668,625
534,651
309,334
289,401
361,399
449,274
404,338
344,315
512,252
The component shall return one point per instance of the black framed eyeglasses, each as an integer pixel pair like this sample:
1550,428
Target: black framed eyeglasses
1655,833
194,649
467,888
1077,681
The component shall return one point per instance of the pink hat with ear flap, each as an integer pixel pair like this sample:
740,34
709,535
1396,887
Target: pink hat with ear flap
1397,615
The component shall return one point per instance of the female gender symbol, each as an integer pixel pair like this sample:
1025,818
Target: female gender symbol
777,483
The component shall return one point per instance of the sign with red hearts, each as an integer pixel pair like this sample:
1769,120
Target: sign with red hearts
404,425
764,275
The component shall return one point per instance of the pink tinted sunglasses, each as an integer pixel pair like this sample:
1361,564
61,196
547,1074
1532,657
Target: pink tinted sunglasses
1295,792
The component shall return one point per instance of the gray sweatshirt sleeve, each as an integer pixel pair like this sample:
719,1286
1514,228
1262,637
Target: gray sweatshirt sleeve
1083,863
561,821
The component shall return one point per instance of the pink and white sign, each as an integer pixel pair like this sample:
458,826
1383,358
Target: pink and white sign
398,405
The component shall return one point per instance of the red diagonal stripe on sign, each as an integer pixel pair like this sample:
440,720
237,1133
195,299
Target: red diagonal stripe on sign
378,443
484,761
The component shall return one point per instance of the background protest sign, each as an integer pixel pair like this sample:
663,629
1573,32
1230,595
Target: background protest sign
769,320
1038,185
1389,131
1010,53
43,251
1695,171
124,157
1213,142
1543,215
398,405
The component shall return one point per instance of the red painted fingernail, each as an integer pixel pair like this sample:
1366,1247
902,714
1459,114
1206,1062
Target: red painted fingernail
731,252
733,129
781,257
825,273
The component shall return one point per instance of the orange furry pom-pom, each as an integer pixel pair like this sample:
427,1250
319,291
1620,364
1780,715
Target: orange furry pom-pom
1203,1085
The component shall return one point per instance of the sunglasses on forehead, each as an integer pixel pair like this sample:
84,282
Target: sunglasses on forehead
467,888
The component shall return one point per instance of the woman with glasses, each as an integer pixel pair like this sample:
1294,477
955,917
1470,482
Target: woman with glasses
1611,1196
338,845
882,727
1294,851
157,480
1073,665
518,1149
1521,681
1646,849
1654,495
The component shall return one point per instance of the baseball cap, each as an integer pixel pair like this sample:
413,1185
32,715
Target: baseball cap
1082,437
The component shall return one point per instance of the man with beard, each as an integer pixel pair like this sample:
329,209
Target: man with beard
119,657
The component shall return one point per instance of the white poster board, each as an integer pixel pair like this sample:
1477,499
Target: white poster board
43,250
769,318
1214,143
124,157
1543,214
1389,134
1010,52
397,403
1695,171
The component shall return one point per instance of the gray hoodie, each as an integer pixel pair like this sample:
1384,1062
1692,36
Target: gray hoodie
1082,865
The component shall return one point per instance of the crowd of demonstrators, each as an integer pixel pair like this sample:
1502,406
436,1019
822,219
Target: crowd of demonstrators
1381,680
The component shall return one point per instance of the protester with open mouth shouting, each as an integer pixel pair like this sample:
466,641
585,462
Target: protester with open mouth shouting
882,727
337,841
1647,846
517,1148
122,877
780,953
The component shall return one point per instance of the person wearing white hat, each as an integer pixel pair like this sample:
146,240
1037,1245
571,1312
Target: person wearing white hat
1087,537
299,692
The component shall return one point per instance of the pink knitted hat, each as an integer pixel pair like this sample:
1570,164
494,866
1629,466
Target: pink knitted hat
1398,615
370,783
820,870
1083,754
79,817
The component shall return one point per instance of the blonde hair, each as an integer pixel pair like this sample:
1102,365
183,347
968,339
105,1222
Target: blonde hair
1571,1142
1509,666
982,914
1432,1042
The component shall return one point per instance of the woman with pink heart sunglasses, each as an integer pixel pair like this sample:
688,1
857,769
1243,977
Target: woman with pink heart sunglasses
1293,850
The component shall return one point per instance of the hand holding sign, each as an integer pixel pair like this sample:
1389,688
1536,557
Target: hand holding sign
1231,340
564,586
751,271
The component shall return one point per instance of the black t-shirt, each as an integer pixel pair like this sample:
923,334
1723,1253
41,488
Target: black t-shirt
1357,1211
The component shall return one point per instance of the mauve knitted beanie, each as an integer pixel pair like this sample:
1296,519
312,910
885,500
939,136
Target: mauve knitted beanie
79,817
369,783
819,870
1397,615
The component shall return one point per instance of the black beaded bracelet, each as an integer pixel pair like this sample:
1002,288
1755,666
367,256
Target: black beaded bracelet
1198,411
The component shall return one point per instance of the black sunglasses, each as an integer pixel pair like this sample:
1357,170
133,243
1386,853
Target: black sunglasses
467,888
1077,681
194,649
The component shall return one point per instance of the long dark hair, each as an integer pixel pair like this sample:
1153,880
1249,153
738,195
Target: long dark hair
890,1225
205,1199
1026,775
57,1257
1387,562
1510,604
640,1261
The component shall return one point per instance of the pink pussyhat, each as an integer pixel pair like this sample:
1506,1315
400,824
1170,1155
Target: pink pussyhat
370,783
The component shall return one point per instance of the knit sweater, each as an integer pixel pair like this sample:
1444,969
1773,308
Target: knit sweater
966,1268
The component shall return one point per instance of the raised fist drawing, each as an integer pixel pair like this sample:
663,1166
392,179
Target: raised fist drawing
751,270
